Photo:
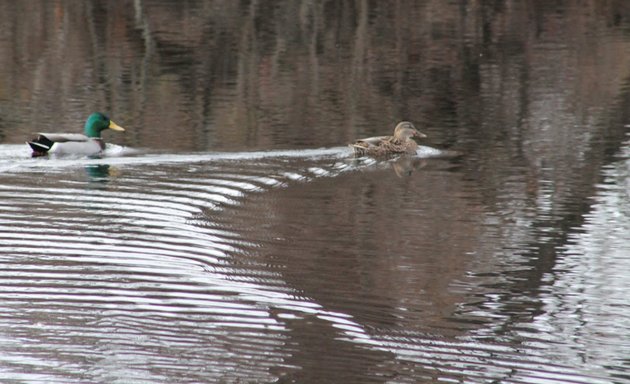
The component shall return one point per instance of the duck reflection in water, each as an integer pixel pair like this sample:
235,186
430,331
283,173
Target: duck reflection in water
101,173
405,165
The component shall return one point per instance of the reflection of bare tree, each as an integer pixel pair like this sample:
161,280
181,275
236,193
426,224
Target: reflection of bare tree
207,74
523,89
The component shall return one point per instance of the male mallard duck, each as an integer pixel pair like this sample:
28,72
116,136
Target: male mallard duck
90,143
381,146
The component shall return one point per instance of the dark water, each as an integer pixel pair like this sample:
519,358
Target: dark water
229,237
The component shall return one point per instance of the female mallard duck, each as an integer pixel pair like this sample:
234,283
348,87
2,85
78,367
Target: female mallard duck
381,146
89,144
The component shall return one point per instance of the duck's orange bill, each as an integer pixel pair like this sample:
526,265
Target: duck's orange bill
115,126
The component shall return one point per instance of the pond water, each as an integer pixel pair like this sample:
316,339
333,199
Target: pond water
229,235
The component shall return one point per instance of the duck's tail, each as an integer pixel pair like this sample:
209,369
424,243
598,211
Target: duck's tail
358,150
40,146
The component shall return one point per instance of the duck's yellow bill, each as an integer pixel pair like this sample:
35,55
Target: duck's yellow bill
115,126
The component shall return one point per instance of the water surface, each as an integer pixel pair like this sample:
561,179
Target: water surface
229,235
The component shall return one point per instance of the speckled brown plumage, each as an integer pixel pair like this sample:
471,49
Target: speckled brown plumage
382,146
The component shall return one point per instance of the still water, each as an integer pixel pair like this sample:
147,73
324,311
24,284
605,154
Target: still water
228,236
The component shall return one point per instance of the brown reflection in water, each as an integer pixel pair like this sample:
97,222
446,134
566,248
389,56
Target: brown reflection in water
534,94
232,75
380,247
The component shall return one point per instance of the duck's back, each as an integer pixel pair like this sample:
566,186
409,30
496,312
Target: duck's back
65,143
64,137
383,146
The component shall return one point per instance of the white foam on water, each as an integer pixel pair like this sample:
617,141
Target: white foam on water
15,157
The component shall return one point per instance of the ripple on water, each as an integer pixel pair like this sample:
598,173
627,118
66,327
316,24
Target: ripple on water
131,279
125,270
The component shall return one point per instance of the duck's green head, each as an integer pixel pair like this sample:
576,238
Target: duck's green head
98,122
